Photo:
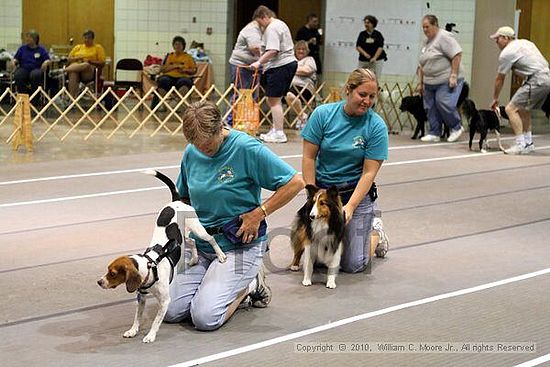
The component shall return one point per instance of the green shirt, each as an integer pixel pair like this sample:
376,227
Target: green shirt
344,142
229,184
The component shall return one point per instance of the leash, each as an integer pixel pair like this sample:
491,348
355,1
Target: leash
496,110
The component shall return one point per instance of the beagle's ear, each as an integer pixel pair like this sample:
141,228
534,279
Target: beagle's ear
133,279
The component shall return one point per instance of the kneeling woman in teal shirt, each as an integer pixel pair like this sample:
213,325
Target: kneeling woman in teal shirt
222,174
344,145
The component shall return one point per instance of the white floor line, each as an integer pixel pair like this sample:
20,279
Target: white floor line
105,173
130,191
368,315
462,156
64,177
133,170
77,197
475,143
535,362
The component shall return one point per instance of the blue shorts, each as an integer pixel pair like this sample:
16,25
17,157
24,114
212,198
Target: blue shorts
276,81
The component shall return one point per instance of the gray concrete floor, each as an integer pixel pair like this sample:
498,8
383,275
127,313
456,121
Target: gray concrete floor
456,220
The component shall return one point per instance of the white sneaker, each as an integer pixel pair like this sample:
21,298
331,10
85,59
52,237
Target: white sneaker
384,243
516,149
455,134
430,138
276,137
270,132
529,148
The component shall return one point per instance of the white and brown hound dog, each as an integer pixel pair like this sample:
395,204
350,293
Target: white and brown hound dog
152,271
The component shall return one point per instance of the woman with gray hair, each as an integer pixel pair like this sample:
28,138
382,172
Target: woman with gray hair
222,174
303,83
31,60
345,144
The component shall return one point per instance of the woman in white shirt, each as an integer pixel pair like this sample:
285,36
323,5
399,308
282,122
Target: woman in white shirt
303,83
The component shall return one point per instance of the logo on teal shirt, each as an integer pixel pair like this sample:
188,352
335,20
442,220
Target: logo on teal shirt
359,142
226,174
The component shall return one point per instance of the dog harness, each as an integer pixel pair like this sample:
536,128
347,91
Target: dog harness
154,255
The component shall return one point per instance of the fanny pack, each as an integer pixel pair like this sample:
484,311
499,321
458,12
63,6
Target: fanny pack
231,228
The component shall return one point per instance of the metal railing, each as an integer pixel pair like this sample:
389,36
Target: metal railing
112,113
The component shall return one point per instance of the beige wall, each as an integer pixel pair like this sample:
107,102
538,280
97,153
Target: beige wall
485,56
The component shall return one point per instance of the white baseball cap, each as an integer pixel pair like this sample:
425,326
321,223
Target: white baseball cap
504,31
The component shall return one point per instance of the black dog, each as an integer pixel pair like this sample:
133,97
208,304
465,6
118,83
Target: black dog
482,121
415,106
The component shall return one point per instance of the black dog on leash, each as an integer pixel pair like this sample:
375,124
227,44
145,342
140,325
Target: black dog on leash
482,121
415,106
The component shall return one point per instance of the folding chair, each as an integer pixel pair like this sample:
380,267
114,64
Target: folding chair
128,65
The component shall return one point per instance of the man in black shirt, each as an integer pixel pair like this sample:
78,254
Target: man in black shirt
310,33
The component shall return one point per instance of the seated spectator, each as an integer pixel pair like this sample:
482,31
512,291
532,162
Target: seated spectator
31,61
303,82
177,70
83,60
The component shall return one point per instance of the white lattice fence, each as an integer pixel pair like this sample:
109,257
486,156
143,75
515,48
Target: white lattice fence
109,114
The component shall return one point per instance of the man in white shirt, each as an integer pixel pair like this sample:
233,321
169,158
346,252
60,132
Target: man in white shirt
524,59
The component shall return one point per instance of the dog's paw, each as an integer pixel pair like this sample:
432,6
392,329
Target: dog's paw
306,282
149,338
130,333
294,267
222,257
331,284
193,261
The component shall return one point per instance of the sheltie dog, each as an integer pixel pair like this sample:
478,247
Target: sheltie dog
317,232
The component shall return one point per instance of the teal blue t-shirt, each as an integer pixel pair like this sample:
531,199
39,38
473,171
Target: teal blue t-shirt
229,183
344,142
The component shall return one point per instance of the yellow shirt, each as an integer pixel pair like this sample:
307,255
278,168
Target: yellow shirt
92,53
185,59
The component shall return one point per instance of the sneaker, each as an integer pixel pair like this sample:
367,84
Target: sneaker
270,132
430,138
455,134
245,303
276,137
384,243
529,148
261,296
517,149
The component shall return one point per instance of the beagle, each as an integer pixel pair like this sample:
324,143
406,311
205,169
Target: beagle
152,271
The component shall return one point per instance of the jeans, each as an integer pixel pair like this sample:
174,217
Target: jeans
23,78
357,238
440,103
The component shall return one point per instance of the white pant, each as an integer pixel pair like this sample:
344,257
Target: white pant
206,290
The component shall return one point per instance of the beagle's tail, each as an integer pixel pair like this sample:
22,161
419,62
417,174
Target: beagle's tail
175,195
